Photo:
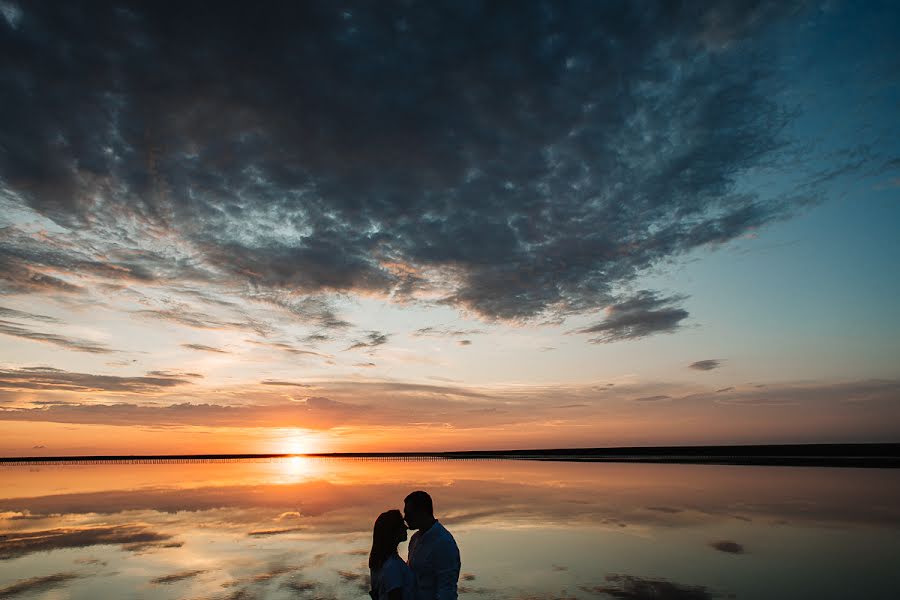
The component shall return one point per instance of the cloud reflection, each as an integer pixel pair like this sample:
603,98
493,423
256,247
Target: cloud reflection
630,587
129,536
35,585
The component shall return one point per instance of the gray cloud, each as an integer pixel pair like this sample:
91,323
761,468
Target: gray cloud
706,365
315,338
31,261
205,348
16,330
16,276
183,316
641,315
44,378
518,162
314,310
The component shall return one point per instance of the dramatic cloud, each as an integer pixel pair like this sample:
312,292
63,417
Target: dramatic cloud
706,365
15,330
517,162
643,314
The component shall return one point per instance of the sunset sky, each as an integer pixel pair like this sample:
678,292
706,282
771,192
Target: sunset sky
341,226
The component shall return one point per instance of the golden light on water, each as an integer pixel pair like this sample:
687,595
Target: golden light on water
297,468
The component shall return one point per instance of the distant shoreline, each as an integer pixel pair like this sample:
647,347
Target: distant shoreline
880,455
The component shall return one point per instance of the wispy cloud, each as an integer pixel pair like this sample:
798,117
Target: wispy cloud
16,330
43,378
373,339
11,313
285,383
286,347
205,348
445,332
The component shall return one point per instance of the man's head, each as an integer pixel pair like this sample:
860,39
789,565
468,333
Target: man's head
418,510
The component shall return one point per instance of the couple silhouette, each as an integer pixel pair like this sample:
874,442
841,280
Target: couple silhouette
432,570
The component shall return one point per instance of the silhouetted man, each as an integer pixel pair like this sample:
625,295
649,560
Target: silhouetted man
433,553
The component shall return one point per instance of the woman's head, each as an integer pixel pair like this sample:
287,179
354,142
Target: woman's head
389,531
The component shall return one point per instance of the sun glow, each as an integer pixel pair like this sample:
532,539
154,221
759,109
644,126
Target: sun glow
298,442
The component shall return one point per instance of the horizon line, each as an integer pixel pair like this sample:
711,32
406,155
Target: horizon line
858,454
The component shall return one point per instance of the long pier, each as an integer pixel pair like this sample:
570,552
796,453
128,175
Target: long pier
881,455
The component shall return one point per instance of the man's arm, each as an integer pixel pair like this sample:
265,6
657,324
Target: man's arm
447,565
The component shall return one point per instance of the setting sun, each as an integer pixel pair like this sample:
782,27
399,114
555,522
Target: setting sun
299,442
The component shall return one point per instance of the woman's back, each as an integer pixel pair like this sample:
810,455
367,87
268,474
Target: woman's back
394,574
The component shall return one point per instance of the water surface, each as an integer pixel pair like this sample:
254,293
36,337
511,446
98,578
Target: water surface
301,528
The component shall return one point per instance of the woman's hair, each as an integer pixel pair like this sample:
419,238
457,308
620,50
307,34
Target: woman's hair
384,537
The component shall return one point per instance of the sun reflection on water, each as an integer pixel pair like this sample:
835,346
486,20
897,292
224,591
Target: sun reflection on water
294,469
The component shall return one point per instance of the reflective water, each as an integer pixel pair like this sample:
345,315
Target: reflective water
300,528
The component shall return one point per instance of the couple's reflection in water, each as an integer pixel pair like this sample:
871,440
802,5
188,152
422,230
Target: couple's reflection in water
432,569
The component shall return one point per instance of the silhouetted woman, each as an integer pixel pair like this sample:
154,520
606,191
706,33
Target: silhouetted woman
392,579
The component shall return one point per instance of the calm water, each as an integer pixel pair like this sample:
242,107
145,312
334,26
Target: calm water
300,528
